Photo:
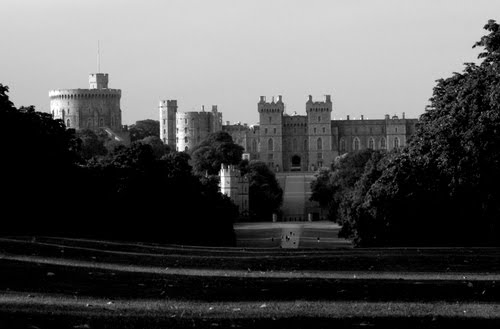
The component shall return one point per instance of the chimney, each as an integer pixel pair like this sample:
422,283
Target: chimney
328,98
280,99
203,108
227,123
403,115
348,117
362,117
262,99
387,116
310,98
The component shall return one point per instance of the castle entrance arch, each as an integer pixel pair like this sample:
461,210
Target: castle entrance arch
296,163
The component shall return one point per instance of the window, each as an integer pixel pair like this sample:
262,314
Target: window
185,121
396,142
324,130
270,156
164,131
265,131
101,122
185,139
274,130
320,155
270,145
314,130
355,144
185,130
396,129
319,118
342,145
371,143
319,144
382,143
89,122
254,145
186,149
67,123
164,122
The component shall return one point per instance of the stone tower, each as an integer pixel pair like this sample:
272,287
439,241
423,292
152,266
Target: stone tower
319,123
168,112
271,132
235,187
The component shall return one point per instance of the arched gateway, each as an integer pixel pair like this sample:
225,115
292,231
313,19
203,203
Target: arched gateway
296,163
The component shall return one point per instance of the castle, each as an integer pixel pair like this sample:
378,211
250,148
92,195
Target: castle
236,187
288,142
95,108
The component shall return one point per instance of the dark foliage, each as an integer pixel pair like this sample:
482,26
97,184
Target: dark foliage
218,148
265,194
57,184
144,128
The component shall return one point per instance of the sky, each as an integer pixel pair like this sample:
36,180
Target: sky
374,57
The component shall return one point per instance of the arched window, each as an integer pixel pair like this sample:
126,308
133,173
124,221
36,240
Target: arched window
396,142
270,145
320,144
294,144
371,143
185,139
355,144
342,145
67,123
382,143
254,145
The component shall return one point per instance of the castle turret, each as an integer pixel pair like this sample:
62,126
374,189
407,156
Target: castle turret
271,131
168,111
319,123
98,81
235,187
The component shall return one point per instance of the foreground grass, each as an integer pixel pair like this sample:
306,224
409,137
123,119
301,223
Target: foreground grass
56,282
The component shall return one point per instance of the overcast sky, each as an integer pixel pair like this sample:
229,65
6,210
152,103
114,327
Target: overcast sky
373,56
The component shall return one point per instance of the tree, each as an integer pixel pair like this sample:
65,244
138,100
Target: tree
91,145
218,148
36,169
265,194
144,128
443,188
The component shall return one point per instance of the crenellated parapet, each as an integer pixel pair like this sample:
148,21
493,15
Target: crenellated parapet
84,93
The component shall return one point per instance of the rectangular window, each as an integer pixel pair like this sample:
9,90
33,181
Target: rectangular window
270,156
320,155
275,130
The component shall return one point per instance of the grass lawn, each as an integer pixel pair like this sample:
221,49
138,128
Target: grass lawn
51,282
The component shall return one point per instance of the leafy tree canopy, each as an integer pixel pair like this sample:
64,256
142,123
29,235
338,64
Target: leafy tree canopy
218,148
144,128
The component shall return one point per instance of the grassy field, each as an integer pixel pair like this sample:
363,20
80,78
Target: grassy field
51,282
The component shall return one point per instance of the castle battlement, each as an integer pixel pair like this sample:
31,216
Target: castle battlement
84,93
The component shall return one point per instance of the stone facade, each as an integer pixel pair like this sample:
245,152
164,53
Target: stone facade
288,142
94,108
184,130
291,142
236,187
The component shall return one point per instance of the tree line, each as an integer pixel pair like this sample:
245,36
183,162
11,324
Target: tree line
442,188
58,181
